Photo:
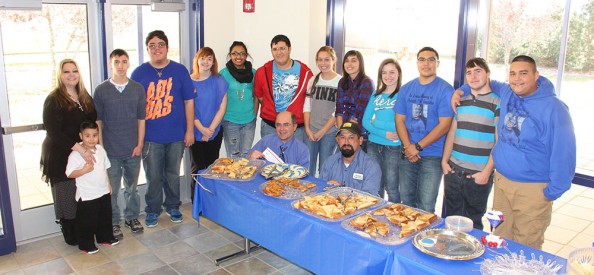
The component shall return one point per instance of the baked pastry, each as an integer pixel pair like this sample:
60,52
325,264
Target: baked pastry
225,161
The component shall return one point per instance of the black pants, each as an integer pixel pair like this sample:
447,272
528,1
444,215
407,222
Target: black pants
93,220
204,153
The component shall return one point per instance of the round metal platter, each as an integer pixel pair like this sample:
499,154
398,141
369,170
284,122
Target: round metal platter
448,244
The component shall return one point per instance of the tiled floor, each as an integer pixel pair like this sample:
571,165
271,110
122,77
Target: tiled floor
185,248
189,248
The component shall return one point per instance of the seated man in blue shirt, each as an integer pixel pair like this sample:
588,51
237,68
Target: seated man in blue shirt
283,143
352,167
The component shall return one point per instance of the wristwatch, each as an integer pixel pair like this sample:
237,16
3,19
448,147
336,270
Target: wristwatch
418,147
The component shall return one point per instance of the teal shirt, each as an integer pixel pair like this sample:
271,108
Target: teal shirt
378,119
240,101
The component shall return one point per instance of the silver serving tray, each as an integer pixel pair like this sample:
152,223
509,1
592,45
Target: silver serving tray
393,237
292,193
448,244
223,176
344,191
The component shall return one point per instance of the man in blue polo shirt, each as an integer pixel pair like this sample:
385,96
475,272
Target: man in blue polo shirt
283,143
352,167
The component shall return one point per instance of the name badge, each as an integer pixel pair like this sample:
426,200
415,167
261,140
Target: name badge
357,176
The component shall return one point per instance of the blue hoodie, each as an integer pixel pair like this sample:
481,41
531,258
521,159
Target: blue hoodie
536,140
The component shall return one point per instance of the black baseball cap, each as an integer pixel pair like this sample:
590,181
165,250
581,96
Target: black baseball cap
351,127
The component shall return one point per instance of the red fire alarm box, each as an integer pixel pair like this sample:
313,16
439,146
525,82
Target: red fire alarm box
249,6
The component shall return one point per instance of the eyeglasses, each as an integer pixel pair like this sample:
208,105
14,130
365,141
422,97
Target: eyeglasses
279,49
236,54
278,125
156,45
430,59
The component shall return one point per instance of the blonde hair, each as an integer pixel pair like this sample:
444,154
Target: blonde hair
206,51
61,94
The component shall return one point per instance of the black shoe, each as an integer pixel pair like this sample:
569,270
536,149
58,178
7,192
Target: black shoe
112,242
134,225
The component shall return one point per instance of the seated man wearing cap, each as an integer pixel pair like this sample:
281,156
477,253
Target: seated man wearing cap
352,167
283,143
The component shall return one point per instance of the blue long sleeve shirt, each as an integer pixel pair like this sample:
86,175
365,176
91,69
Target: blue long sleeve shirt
363,173
296,152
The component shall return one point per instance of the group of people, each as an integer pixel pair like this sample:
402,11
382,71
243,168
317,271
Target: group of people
396,140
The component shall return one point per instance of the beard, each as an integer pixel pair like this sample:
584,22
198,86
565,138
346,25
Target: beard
347,151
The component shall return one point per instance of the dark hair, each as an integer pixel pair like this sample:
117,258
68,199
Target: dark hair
241,44
280,38
345,77
428,49
381,86
477,62
159,34
525,58
118,52
87,124
332,54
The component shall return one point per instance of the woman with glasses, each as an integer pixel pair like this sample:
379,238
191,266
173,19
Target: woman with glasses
319,107
65,108
239,123
354,90
210,105
384,144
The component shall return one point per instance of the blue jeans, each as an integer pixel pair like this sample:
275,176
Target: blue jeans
238,138
161,166
419,182
128,167
388,158
325,147
464,197
266,129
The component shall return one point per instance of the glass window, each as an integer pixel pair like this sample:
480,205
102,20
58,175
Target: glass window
399,29
56,32
578,80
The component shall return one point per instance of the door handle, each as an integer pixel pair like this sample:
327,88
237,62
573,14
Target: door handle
22,129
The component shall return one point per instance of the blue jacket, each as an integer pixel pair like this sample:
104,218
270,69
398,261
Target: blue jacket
536,140
362,174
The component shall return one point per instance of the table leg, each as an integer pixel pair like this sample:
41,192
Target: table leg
247,248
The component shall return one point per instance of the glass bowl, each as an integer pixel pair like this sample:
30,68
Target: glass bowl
581,261
459,223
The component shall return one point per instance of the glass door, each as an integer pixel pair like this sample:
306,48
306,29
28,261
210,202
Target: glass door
56,32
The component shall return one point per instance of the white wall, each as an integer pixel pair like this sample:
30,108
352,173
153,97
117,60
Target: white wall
304,22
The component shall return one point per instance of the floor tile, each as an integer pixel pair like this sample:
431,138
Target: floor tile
220,271
197,264
57,266
577,211
564,252
273,260
140,263
62,247
8,263
583,202
206,242
157,239
186,230
294,270
174,252
126,248
222,251
568,222
551,247
228,234
164,270
110,268
81,260
582,240
559,235
35,253
208,223
250,266
589,230
588,193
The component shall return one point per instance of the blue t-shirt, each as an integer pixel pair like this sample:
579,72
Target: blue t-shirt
284,85
423,105
209,96
165,96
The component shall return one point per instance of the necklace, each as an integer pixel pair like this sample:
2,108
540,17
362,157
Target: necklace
78,103
159,73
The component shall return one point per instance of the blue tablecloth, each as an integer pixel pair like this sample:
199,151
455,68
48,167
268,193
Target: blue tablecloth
319,246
